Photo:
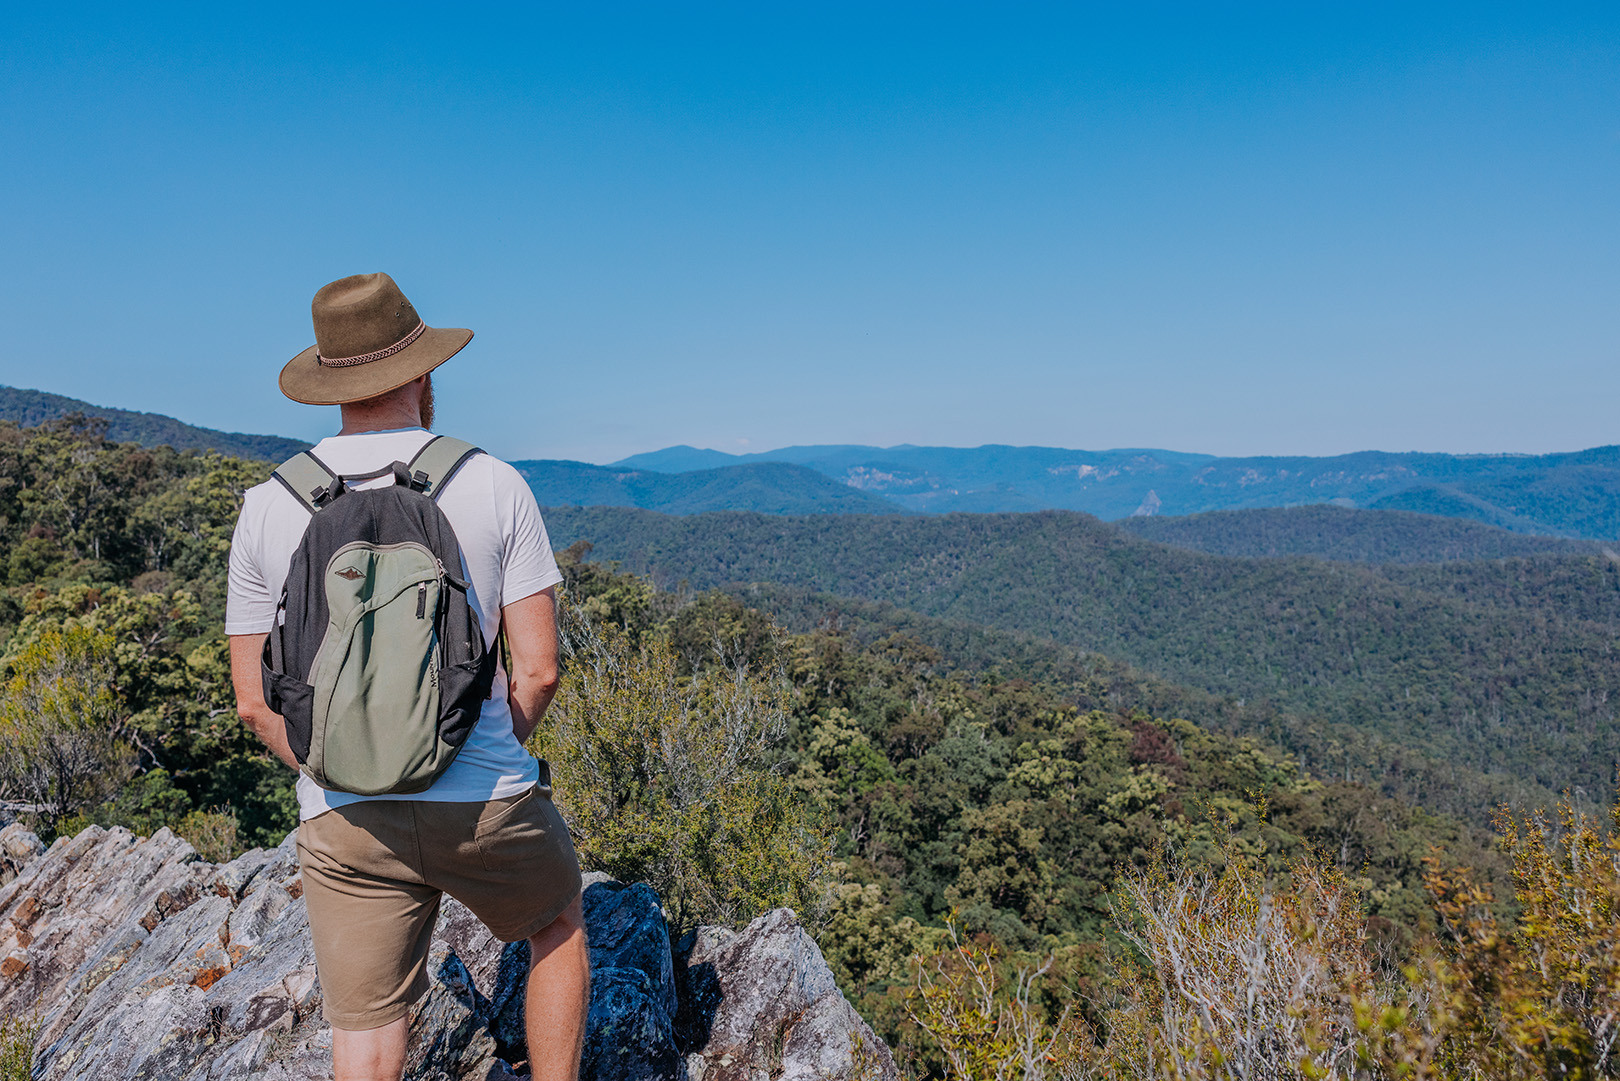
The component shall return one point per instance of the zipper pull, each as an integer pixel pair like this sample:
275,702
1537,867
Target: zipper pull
421,600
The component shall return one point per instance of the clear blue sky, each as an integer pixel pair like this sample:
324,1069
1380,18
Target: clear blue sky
1303,229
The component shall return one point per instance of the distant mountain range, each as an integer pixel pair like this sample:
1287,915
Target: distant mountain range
34,407
1570,495
763,487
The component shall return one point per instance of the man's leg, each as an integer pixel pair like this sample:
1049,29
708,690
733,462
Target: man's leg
371,922
376,1054
559,993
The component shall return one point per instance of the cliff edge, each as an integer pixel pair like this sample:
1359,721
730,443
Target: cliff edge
142,961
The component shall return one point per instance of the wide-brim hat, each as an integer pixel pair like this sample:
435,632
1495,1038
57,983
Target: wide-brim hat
368,340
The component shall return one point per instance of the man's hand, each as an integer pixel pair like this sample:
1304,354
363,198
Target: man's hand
267,724
531,635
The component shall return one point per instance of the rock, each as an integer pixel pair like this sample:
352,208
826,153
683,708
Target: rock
17,847
763,1004
631,1028
145,962
80,911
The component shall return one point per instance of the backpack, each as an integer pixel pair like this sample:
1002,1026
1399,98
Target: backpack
377,661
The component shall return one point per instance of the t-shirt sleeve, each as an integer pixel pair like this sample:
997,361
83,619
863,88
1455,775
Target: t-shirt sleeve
249,607
528,565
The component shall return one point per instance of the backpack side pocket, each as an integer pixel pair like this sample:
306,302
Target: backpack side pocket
295,701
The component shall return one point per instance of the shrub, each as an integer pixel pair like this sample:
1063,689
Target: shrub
211,833
678,781
61,750
1542,998
982,1028
1234,976
17,1036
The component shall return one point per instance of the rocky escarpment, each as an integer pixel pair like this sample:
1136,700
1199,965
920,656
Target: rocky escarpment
142,961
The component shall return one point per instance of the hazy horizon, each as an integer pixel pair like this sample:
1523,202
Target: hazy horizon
744,452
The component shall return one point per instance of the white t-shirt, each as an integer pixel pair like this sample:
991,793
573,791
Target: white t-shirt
505,554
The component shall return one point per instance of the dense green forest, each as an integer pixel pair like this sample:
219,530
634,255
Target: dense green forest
1499,668
1344,533
115,557
1008,785
1014,802
30,408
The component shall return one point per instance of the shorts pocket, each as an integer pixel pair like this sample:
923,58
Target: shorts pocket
517,833
498,814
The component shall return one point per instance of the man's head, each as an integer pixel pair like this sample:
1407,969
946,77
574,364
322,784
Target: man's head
371,349
409,406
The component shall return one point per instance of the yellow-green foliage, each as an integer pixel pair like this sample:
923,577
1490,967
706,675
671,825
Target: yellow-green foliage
982,1028
1234,976
679,780
1539,997
60,746
1237,974
211,833
17,1036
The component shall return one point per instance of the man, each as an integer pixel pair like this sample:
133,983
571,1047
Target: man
485,831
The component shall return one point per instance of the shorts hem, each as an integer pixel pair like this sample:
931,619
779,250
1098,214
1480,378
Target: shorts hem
534,927
386,1015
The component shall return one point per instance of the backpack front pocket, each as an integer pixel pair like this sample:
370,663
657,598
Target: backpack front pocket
376,676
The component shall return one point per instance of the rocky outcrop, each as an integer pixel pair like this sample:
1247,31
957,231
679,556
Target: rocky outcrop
142,961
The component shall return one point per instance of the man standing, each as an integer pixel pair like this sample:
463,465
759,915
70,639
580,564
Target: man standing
485,831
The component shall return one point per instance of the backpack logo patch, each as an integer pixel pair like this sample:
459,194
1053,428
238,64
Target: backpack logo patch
350,573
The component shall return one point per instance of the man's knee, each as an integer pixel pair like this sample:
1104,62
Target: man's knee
570,924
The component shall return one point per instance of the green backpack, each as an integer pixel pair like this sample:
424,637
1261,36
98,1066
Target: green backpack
377,660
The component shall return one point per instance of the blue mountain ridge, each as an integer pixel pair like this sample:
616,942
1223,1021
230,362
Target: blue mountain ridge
763,487
1572,494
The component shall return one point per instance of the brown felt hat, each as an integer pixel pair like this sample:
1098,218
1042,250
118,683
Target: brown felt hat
368,340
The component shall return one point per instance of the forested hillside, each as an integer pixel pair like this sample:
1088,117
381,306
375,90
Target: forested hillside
30,408
1498,668
1344,533
1008,783
117,678
933,765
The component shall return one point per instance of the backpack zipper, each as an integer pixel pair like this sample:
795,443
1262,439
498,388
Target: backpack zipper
421,600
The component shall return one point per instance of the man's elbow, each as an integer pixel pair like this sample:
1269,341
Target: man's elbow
539,679
256,717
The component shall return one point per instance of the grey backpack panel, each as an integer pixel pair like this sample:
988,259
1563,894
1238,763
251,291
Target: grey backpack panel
378,662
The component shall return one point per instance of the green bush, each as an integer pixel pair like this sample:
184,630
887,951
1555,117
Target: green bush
61,750
679,781
17,1036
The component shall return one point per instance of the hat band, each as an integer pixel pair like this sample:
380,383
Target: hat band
367,358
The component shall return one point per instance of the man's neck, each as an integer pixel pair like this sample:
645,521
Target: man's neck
356,421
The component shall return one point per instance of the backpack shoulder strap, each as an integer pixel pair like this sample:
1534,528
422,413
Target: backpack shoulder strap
437,462
308,479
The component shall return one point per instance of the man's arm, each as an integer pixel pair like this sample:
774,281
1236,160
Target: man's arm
531,635
246,649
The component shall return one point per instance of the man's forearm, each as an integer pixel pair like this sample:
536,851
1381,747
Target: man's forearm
272,732
530,626
529,703
255,712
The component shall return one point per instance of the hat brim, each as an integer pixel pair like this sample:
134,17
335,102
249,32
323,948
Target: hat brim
305,379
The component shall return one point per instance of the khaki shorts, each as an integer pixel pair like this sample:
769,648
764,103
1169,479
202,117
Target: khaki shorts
373,873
